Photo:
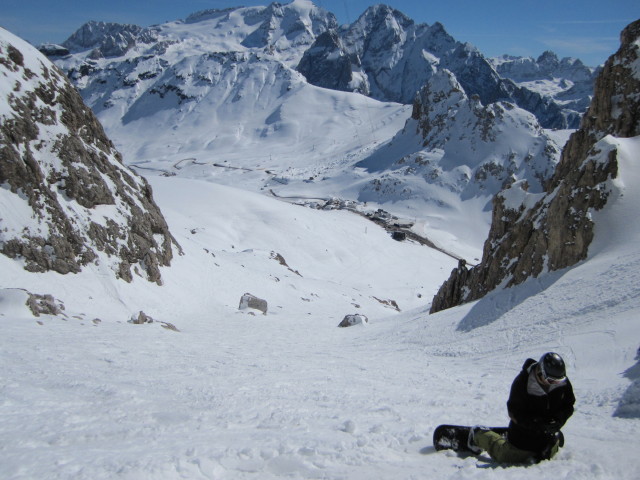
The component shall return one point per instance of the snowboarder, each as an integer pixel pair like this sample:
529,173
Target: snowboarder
540,403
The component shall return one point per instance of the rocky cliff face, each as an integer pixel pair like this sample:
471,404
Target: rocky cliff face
107,39
546,67
386,55
392,57
530,233
66,198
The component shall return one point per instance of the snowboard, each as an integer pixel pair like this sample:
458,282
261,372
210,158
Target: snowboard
455,437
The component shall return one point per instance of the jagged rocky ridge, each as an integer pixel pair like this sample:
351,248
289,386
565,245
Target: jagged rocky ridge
388,56
67,199
531,234
567,81
457,144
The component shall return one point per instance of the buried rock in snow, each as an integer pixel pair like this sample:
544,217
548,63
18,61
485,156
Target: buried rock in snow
351,320
140,319
44,305
251,301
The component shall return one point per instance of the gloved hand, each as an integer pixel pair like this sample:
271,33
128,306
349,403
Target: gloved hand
551,427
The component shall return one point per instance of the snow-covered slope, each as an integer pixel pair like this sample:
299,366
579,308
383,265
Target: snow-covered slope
233,395
237,394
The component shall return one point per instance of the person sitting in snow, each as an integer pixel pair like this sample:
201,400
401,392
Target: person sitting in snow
540,403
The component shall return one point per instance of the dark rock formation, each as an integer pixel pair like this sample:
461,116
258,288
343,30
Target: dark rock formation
387,56
351,320
249,301
57,164
52,50
107,39
328,64
530,233
44,304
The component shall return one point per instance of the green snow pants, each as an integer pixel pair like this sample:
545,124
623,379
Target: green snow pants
500,450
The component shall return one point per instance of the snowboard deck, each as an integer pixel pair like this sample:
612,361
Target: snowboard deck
455,437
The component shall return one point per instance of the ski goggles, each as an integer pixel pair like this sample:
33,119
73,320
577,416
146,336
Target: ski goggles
549,380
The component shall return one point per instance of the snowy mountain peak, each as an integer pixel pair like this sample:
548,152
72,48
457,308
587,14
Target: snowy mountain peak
382,17
294,24
548,58
546,67
107,39
385,55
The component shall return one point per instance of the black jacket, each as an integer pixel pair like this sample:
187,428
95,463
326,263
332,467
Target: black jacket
535,419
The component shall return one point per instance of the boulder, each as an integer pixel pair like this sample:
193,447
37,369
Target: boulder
140,319
351,320
44,305
251,301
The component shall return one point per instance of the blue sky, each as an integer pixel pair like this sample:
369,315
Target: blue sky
586,29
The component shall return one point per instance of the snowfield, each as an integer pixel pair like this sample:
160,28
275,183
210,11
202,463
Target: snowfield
238,395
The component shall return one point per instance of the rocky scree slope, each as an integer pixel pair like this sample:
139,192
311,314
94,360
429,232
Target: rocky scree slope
532,233
67,200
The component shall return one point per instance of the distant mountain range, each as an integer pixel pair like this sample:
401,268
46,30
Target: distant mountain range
383,54
278,91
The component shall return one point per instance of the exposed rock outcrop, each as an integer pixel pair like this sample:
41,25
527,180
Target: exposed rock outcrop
351,320
107,39
249,301
66,196
329,65
530,233
44,305
386,55
461,146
